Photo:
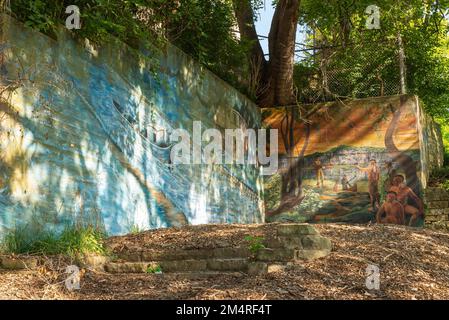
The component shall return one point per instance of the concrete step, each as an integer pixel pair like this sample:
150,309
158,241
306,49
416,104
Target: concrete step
188,265
200,275
292,243
131,255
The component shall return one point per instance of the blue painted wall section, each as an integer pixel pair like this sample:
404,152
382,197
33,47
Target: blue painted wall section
84,137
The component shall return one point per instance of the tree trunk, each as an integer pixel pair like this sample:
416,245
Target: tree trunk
244,15
275,86
281,42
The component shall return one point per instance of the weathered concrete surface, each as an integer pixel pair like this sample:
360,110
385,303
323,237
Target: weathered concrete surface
83,137
437,208
295,229
286,245
18,263
431,144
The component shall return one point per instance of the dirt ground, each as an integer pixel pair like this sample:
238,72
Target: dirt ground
413,264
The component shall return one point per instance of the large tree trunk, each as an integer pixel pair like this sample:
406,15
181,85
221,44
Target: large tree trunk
275,87
244,15
281,42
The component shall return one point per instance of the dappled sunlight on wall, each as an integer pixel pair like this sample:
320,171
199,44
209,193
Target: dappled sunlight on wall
347,156
88,137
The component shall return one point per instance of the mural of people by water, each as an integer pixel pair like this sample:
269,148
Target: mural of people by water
355,163
373,183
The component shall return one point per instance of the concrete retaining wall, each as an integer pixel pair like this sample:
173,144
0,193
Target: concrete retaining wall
84,132
437,208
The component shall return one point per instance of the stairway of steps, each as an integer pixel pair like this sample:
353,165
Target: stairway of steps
292,244
199,260
284,246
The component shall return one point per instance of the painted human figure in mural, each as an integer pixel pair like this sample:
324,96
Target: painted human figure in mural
346,184
319,170
373,172
392,209
404,194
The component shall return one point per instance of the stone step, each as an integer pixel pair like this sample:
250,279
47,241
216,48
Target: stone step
292,243
176,255
18,263
199,275
188,265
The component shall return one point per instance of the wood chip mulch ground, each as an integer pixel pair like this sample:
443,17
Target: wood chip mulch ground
414,264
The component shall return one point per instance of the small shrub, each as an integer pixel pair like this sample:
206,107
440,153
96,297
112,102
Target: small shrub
154,269
446,158
255,244
445,185
16,241
135,229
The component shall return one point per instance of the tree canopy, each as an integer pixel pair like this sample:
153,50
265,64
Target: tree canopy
221,35
202,28
339,27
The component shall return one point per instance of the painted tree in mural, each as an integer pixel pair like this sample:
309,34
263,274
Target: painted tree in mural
274,84
405,162
291,193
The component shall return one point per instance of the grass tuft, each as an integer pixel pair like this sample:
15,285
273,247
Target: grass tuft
72,241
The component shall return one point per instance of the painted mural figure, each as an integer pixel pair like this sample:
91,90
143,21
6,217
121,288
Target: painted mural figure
346,184
350,173
373,172
319,170
392,209
404,194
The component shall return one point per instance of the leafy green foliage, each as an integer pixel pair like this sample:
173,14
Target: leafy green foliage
255,244
205,29
366,58
154,269
444,123
202,28
207,34
72,241
445,185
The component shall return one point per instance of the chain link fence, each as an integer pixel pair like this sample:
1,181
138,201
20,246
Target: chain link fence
355,71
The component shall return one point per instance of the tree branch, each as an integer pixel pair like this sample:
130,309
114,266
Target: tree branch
245,19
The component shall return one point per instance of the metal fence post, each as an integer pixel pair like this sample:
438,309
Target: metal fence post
402,68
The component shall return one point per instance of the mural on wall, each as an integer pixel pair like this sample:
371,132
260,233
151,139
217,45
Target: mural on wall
84,137
348,162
